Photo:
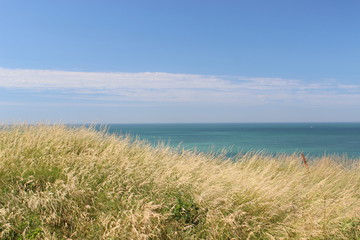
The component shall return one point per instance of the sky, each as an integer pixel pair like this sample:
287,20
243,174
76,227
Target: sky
88,61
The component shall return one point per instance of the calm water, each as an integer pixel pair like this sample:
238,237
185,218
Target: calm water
310,138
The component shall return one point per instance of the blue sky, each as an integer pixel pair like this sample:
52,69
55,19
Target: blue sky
179,61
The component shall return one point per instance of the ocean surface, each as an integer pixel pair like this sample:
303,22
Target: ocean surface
314,139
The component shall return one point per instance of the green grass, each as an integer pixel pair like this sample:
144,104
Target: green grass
65,183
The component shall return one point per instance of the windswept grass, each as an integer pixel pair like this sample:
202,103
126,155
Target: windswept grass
62,183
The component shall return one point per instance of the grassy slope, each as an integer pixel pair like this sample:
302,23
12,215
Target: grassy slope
58,183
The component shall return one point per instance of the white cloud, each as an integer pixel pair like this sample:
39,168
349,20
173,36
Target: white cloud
170,87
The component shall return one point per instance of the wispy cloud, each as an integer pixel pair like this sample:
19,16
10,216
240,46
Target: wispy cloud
170,87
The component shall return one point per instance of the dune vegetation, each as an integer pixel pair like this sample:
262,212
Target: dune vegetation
58,182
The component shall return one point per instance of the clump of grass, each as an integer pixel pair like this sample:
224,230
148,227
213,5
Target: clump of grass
65,183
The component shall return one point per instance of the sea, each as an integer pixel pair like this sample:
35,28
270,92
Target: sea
233,139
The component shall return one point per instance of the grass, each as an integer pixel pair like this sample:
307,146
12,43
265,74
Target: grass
65,183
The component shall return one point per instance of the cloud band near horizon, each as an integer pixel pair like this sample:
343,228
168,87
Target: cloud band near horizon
120,87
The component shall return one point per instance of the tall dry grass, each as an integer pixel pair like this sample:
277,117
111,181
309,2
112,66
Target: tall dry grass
63,183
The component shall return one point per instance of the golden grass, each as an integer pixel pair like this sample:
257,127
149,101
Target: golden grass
63,183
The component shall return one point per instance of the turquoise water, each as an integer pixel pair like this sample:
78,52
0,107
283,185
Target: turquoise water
310,138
